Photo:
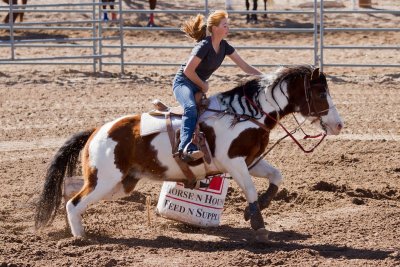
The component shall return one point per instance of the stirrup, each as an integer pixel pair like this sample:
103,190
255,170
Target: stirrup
191,155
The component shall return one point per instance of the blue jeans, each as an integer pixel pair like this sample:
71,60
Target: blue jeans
184,91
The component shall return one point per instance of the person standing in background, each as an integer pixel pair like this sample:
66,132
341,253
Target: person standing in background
152,4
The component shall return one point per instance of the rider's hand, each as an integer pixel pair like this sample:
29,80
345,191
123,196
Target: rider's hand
204,87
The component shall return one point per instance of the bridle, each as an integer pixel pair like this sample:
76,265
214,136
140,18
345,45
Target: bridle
309,102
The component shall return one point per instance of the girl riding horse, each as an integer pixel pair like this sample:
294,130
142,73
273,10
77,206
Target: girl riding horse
205,59
116,156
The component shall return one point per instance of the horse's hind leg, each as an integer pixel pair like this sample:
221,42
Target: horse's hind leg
21,15
96,187
16,14
7,19
124,188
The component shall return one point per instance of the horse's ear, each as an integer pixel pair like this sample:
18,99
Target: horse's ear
315,74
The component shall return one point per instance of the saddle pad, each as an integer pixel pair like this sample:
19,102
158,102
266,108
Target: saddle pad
150,124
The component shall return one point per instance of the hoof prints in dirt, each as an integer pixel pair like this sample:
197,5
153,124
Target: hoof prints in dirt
395,169
386,193
285,195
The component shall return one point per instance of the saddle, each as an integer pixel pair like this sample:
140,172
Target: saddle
160,109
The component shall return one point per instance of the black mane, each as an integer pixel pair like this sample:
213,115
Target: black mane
236,99
290,73
251,88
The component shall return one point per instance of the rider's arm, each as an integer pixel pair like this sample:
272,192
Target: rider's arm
189,71
243,64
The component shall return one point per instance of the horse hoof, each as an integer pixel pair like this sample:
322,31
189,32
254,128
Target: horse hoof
246,214
262,235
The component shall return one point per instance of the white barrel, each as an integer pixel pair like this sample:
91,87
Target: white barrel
200,207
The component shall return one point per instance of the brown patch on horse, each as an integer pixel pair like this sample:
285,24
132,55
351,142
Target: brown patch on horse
90,184
271,120
210,137
86,169
250,143
89,173
295,78
134,153
319,101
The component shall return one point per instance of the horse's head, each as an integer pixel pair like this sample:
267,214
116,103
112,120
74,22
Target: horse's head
317,105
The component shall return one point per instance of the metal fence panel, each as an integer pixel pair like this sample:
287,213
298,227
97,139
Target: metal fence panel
323,47
98,41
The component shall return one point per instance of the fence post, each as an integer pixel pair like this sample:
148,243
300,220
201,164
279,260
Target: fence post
100,33
121,37
321,36
94,35
11,24
315,33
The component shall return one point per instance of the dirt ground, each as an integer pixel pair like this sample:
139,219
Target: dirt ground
338,206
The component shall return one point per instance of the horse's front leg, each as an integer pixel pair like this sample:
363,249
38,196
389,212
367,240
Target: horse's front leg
266,170
238,169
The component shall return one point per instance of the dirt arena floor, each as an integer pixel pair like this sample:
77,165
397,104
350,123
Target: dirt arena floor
339,206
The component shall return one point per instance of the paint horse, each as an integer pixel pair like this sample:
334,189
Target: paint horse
252,18
115,156
15,14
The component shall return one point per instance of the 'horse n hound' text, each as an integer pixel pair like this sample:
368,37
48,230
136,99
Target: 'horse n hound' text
115,156
200,207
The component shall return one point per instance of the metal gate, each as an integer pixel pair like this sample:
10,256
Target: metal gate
92,47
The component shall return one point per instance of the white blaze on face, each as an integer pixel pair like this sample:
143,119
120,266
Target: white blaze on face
331,122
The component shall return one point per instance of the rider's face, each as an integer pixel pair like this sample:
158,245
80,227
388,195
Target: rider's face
222,29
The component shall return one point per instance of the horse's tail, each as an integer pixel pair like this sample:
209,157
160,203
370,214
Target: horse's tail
64,163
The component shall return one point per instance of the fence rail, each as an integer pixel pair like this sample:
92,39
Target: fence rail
324,47
97,42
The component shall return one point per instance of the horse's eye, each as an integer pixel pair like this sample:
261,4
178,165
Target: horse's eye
323,95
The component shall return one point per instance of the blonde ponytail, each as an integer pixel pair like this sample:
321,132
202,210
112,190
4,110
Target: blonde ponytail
195,28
